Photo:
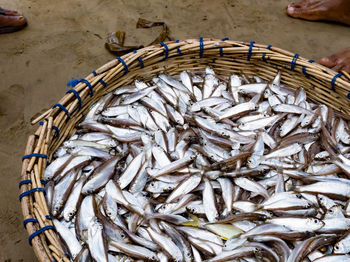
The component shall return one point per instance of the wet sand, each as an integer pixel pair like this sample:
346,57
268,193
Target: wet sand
65,40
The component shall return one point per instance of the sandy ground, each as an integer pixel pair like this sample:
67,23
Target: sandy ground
65,40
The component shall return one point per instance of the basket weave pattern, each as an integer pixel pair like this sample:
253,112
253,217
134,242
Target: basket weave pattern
225,57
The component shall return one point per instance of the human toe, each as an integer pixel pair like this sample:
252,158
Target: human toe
329,61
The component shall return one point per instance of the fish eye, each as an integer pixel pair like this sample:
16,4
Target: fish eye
336,247
315,221
122,235
70,214
249,161
331,211
152,184
109,214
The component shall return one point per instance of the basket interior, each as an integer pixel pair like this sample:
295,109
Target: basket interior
225,57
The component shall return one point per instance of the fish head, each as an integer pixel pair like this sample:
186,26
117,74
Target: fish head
253,161
314,223
341,248
267,93
68,215
56,208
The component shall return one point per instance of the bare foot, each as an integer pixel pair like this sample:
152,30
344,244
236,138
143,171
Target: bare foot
11,21
339,61
4,11
326,10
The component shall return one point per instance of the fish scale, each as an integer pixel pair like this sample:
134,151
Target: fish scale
204,167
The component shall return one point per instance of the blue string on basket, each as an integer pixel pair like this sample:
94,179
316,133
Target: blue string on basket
201,47
57,131
264,54
62,107
27,193
334,79
53,127
221,49
34,155
166,50
250,50
74,82
294,61
101,81
304,69
38,232
142,65
76,95
29,220
178,48
28,181
126,69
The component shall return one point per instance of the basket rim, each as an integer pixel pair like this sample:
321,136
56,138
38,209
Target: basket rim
56,122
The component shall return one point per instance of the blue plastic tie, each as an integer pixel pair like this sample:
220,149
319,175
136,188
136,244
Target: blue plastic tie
94,73
334,79
201,47
36,189
38,232
166,50
221,49
28,220
73,82
28,181
41,123
178,48
294,61
103,83
34,155
62,108
126,69
83,80
57,131
67,255
250,50
264,54
76,95
24,182
142,65
304,69
48,217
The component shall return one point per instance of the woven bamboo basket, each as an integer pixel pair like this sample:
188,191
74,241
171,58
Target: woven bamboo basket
225,57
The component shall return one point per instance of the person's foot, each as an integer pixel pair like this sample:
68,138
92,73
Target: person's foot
4,11
338,62
11,21
326,10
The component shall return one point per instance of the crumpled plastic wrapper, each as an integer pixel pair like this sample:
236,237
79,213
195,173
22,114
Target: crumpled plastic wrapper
115,40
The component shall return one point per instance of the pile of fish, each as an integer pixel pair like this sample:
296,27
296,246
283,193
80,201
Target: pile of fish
204,167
